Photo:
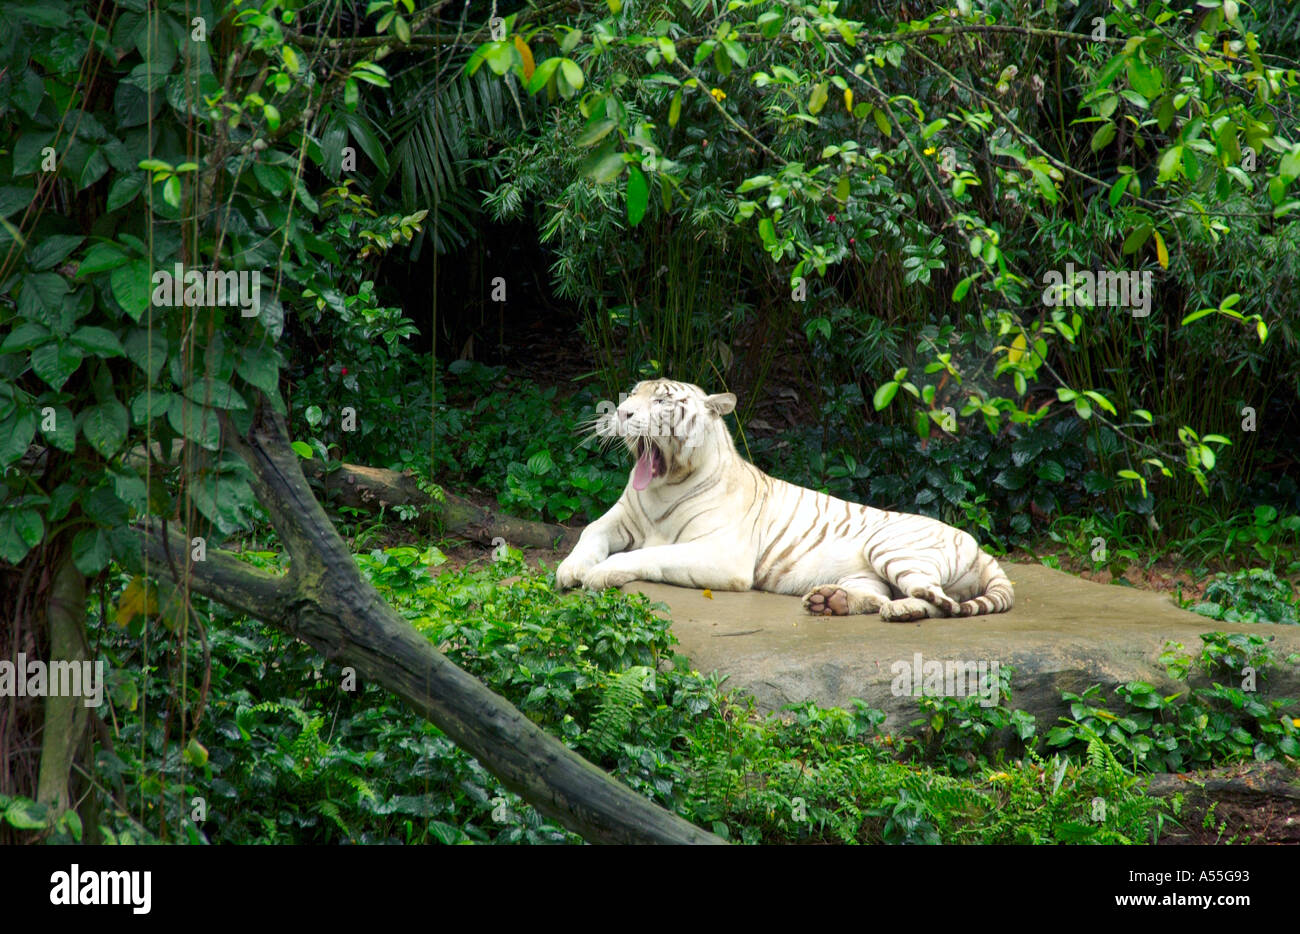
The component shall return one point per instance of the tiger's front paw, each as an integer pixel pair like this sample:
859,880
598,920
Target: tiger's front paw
572,571
607,574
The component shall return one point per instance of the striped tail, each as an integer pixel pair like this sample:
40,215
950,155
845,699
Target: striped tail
998,597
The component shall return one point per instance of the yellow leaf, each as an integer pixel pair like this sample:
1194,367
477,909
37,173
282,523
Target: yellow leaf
1162,253
136,599
708,594
526,54
848,99
1016,352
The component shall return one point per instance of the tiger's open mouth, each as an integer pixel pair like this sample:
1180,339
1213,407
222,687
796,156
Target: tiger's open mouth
650,463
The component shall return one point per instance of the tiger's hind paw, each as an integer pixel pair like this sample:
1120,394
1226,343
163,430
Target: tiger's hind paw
827,601
906,610
936,596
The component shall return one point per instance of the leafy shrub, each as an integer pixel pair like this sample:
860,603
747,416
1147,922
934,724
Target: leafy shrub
1209,725
973,480
1251,595
517,439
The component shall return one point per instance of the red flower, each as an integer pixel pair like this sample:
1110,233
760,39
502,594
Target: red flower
831,218
344,371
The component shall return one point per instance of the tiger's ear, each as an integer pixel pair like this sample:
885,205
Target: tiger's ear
722,402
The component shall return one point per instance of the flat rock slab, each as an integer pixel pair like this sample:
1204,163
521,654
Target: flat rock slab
1065,634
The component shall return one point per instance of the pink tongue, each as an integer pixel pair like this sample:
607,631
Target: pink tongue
644,471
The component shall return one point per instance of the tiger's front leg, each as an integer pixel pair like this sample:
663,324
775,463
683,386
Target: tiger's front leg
608,534
690,564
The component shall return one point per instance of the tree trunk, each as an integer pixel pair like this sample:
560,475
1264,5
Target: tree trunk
326,602
65,716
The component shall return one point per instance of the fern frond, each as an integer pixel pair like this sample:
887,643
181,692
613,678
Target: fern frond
617,708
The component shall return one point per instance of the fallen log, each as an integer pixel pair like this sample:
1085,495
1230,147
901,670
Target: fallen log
1256,801
372,487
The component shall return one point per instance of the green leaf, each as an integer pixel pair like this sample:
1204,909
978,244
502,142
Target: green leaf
150,404
540,463
194,422
302,448
1102,137
102,257
595,131
21,530
50,251
98,341
1117,190
14,197
91,551
1133,242
1146,79
1051,471
27,335
572,73
602,167
16,434
542,74
24,814
1197,315
817,100
885,395
211,392
55,362
105,427
1170,164
1109,72
638,195
736,52
962,287
131,285
882,122
934,127
64,433
147,349
261,368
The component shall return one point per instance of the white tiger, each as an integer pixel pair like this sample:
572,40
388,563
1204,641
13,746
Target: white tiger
696,514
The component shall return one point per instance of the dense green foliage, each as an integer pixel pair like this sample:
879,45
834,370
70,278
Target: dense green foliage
284,754
902,195
872,207
516,438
